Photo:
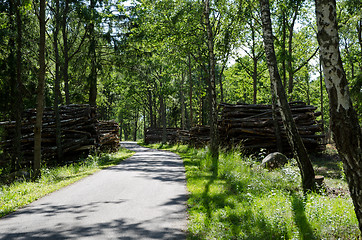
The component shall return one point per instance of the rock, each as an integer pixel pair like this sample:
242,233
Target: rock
17,176
319,183
274,160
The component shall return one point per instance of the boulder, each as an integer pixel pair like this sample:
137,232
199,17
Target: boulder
19,175
274,160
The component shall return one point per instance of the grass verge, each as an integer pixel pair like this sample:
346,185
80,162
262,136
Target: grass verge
246,201
23,192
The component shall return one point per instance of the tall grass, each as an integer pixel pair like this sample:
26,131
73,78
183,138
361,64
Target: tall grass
246,201
22,191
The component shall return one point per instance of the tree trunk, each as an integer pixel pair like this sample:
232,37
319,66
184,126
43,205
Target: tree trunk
321,97
359,31
135,126
163,118
290,52
308,89
255,66
290,66
182,98
18,104
221,86
221,77
186,114
92,54
214,138
284,37
295,141
57,84
190,94
120,127
150,108
279,143
40,92
144,125
12,81
157,118
255,80
201,113
66,53
126,131
15,74
344,122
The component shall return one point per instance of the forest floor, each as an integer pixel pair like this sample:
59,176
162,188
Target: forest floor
329,165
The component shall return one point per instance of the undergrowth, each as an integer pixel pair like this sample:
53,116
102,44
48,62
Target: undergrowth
246,201
23,191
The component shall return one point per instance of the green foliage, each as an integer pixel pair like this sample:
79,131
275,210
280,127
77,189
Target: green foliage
239,83
332,218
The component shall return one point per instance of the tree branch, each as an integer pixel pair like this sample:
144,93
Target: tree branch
305,63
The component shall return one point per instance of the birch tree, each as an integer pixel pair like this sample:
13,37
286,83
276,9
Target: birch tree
344,122
214,139
295,141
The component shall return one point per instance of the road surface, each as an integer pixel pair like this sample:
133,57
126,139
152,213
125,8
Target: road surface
144,197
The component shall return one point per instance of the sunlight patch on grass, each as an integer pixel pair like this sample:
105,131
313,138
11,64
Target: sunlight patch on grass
333,218
246,201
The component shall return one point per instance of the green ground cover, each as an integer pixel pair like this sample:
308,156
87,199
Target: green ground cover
22,192
246,201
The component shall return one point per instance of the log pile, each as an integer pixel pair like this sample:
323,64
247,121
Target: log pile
183,136
199,135
80,132
252,126
108,138
154,135
196,136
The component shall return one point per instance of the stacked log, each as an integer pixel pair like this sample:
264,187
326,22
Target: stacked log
183,136
108,136
252,126
80,132
200,135
154,135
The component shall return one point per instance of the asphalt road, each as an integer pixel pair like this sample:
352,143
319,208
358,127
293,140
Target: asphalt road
144,197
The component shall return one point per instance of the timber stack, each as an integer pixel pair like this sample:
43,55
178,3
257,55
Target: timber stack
252,126
200,135
108,137
154,135
80,132
183,136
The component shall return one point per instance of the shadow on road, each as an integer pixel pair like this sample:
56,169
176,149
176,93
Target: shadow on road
158,165
159,217
117,229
